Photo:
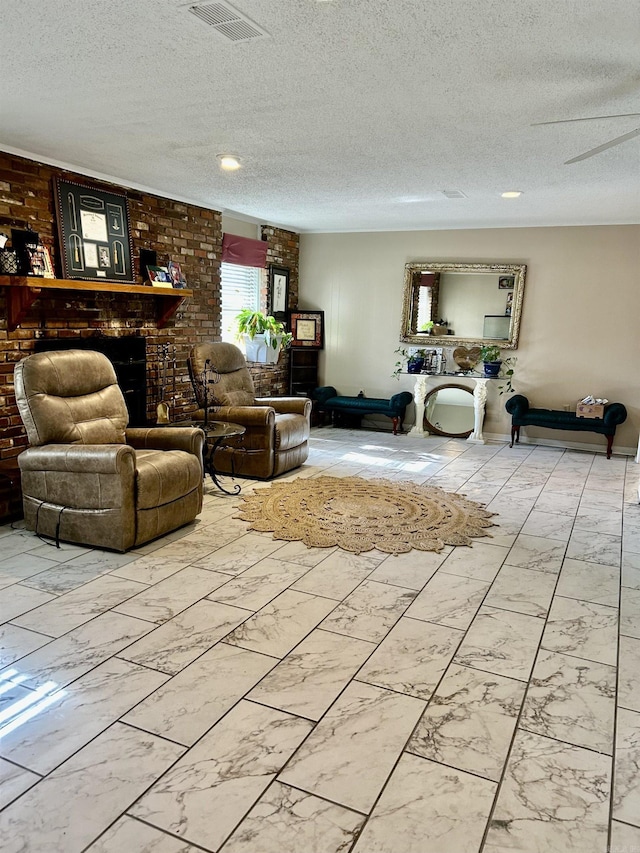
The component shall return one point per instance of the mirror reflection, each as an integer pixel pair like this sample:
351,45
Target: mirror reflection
448,410
451,303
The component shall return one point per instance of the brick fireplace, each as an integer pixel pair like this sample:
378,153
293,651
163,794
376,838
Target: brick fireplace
175,230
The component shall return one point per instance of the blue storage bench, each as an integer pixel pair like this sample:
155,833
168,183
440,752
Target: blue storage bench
328,400
522,415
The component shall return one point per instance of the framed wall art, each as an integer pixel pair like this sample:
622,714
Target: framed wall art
278,297
93,232
176,275
509,305
40,261
307,328
159,276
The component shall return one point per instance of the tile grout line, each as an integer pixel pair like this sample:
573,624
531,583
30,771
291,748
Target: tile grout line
427,703
404,750
279,660
614,749
522,706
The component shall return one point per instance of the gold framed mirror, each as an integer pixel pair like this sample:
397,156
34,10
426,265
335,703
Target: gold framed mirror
453,304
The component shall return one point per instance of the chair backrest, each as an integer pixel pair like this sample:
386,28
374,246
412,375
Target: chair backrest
235,387
70,397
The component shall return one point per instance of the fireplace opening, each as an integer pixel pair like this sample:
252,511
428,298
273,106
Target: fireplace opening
128,354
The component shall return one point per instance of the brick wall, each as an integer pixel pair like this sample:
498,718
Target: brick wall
186,233
283,250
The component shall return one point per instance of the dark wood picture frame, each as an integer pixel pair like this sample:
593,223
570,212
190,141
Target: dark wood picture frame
307,328
278,292
94,234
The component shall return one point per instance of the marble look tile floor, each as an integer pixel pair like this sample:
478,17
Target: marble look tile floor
220,691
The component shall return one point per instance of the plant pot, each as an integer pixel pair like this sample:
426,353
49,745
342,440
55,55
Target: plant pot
415,366
259,351
492,368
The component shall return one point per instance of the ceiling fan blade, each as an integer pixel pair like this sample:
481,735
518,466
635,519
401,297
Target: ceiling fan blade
589,118
625,136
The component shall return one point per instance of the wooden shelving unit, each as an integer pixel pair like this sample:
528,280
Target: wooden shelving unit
23,291
303,371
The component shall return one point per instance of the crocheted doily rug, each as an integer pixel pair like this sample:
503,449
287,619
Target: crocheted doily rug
358,515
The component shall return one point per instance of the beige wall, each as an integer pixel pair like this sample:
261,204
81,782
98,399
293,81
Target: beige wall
240,227
464,299
580,330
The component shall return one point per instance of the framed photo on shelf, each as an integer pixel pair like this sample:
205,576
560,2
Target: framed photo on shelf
93,233
159,276
506,282
176,276
307,328
40,261
278,294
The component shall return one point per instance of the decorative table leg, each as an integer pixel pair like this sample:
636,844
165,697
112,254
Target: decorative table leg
211,470
419,394
479,402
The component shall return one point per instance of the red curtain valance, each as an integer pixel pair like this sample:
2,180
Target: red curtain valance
244,251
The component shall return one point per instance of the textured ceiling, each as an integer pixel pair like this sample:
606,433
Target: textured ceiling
352,115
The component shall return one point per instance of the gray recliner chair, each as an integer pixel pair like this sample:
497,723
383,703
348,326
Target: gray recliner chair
277,428
88,479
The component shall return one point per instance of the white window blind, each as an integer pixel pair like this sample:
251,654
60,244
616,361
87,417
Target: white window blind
240,288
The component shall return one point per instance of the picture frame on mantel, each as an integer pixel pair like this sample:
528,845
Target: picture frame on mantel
93,232
307,328
278,292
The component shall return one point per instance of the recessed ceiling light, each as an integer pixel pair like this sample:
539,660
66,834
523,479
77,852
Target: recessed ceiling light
512,194
229,162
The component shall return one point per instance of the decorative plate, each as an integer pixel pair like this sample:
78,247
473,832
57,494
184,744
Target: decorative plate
466,358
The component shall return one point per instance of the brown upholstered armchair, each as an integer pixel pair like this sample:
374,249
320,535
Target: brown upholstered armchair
277,428
86,478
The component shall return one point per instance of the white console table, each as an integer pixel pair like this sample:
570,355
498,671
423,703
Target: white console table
479,400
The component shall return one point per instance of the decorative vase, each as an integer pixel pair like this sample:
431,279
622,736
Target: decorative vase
415,365
492,368
8,262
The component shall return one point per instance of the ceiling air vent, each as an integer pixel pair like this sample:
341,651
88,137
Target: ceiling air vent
453,194
227,22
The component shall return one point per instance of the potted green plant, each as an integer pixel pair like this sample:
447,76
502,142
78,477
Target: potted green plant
415,362
264,337
412,362
506,368
490,356
507,372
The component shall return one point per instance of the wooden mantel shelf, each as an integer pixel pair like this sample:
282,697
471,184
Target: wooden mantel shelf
22,292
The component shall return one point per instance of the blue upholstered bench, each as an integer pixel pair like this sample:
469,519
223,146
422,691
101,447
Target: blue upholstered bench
522,415
329,401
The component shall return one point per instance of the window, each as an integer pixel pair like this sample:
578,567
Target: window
424,307
239,288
